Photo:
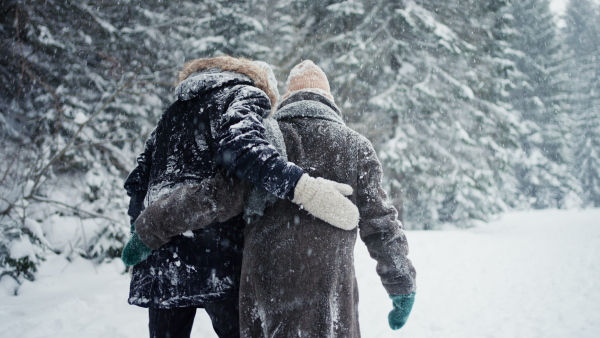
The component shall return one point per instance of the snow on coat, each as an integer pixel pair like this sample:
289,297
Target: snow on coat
298,275
215,124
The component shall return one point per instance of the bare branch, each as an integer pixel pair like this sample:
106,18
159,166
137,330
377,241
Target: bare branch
76,209
104,142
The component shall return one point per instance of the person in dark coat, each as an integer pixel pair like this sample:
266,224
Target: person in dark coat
298,275
215,125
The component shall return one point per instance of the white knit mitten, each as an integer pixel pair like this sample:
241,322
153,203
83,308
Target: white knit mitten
326,200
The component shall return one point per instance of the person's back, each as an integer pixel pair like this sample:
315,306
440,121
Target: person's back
182,150
301,270
298,274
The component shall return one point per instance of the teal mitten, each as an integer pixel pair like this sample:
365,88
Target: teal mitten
402,306
135,251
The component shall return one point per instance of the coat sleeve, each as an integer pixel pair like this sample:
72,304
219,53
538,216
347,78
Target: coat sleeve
242,146
136,183
380,228
191,207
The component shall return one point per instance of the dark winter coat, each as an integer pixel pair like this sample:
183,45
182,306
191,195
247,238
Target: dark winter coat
298,275
215,124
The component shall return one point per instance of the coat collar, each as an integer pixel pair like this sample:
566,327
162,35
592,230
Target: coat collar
309,104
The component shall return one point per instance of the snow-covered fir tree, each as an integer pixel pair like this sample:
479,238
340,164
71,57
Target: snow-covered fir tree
421,89
457,116
582,38
80,95
544,171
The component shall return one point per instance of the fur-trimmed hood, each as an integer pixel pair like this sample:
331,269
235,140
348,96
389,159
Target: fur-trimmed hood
200,75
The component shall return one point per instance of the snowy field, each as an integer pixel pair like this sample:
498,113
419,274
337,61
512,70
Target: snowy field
529,274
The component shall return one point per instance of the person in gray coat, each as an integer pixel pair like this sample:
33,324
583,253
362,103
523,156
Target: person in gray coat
298,277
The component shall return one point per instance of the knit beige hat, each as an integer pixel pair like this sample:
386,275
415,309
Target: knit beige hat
307,76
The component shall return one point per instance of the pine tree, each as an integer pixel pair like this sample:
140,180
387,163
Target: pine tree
469,89
78,99
582,36
86,81
411,83
544,172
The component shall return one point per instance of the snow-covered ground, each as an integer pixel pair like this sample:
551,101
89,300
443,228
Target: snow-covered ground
529,274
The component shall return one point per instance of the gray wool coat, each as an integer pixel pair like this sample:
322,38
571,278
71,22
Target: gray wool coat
298,276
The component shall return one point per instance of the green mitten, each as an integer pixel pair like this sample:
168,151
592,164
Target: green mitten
402,306
135,251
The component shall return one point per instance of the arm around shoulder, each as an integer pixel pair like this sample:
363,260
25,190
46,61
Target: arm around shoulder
242,146
191,207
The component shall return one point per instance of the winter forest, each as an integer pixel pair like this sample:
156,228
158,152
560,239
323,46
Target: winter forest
475,107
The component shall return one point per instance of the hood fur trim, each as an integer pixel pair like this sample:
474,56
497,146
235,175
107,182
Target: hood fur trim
244,66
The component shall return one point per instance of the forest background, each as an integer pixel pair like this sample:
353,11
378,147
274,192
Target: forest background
476,107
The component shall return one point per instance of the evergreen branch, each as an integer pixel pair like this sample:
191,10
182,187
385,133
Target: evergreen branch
165,24
359,28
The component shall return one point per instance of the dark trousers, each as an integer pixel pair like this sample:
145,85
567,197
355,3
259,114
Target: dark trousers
177,322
